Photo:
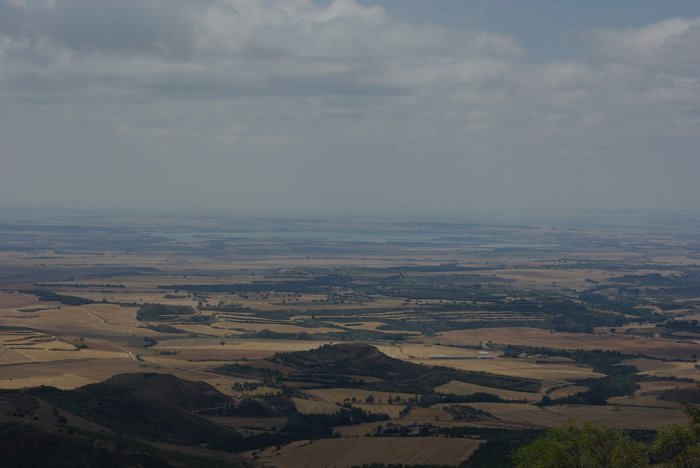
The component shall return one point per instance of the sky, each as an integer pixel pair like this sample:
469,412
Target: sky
394,107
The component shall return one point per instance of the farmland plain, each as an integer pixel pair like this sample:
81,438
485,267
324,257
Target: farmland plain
332,342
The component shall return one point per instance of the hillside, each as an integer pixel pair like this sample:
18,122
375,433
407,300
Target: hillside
355,364
31,446
156,406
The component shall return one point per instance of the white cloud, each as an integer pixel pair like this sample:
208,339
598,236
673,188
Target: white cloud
674,40
467,72
251,83
248,44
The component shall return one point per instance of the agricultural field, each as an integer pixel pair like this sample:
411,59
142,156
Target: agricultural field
524,415
456,387
343,453
536,337
658,394
307,406
23,346
296,348
658,368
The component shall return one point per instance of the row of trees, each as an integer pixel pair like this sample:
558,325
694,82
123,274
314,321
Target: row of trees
371,400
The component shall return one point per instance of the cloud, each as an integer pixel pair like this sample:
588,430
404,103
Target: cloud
232,46
671,41
289,93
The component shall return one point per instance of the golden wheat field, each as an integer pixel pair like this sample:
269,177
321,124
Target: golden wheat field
305,406
616,416
563,391
650,394
26,346
462,388
241,327
348,452
550,339
89,321
516,367
247,344
14,300
427,351
658,368
431,415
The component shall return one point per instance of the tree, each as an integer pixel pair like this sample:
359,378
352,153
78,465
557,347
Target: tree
583,445
680,445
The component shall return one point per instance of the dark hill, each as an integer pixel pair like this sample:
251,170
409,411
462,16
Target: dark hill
165,388
29,446
156,406
349,359
261,408
345,364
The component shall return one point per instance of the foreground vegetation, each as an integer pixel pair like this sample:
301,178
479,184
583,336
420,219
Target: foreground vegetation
587,444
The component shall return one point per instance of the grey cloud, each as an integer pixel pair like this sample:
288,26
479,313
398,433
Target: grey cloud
278,103
290,45
673,41
126,26
274,84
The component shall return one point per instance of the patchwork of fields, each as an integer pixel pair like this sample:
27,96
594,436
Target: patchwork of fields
341,354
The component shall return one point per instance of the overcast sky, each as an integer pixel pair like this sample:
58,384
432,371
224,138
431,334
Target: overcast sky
391,107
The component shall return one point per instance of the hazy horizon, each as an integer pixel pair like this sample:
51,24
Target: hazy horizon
227,220
386,108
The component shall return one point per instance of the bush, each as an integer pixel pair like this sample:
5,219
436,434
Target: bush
585,444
